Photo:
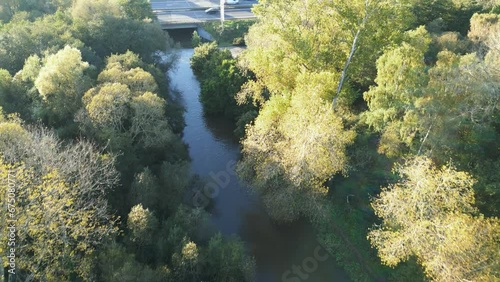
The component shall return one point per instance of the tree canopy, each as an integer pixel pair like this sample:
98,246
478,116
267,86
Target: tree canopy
430,214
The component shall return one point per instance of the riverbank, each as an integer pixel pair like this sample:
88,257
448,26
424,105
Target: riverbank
279,250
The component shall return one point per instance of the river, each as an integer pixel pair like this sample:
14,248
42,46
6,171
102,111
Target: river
283,253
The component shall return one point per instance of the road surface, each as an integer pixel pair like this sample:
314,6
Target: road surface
172,17
193,4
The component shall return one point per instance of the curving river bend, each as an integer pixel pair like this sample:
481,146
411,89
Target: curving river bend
283,253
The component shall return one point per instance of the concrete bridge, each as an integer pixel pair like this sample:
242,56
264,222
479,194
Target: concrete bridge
177,14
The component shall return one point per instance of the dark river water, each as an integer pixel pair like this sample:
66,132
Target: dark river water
283,253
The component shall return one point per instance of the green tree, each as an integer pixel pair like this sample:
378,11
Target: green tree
294,146
182,223
186,265
174,181
149,125
95,9
137,9
61,83
22,38
117,265
12,98
35,8
206,58
218,91
482,27
447,110
145,190
307,57
137,79
122,106
142,224
429,214
115,35
133,72
195,39
108,106
226,260
341,37
221,79
401,80
422,109
13,138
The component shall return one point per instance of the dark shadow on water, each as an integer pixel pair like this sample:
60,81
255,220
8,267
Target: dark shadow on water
221,128
182,36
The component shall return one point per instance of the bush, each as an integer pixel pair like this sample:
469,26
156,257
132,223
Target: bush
239,41
195,39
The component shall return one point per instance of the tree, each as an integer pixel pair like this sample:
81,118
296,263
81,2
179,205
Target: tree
123,106
428,109
145,190
142,224
62,82
186,264
226,260
401,80
174,181
221,79
13,97
35,8
61,210
13,138
137,79
307,57
107,106
94,9
195,39
117,265
137,74
426,11
429,214
149,125
137,9
218,90
206,57
115,35
294,146
22,38
293,37
482,27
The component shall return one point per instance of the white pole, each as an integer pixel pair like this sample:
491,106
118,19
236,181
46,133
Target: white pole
222,13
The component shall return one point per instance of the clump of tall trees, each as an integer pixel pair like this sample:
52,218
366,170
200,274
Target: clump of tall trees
60,208
90,137
309,64
412,84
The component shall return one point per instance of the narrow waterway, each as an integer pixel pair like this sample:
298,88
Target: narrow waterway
282,252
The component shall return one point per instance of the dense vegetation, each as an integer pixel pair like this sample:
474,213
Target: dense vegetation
230,32
378,121
347,90
90,144
220,78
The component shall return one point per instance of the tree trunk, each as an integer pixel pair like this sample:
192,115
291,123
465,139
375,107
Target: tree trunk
354,46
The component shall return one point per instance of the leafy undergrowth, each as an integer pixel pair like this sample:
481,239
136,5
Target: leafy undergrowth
232,30
343,232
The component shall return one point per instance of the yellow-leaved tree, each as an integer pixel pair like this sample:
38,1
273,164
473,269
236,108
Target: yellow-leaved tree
430,214
306,56
58,206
